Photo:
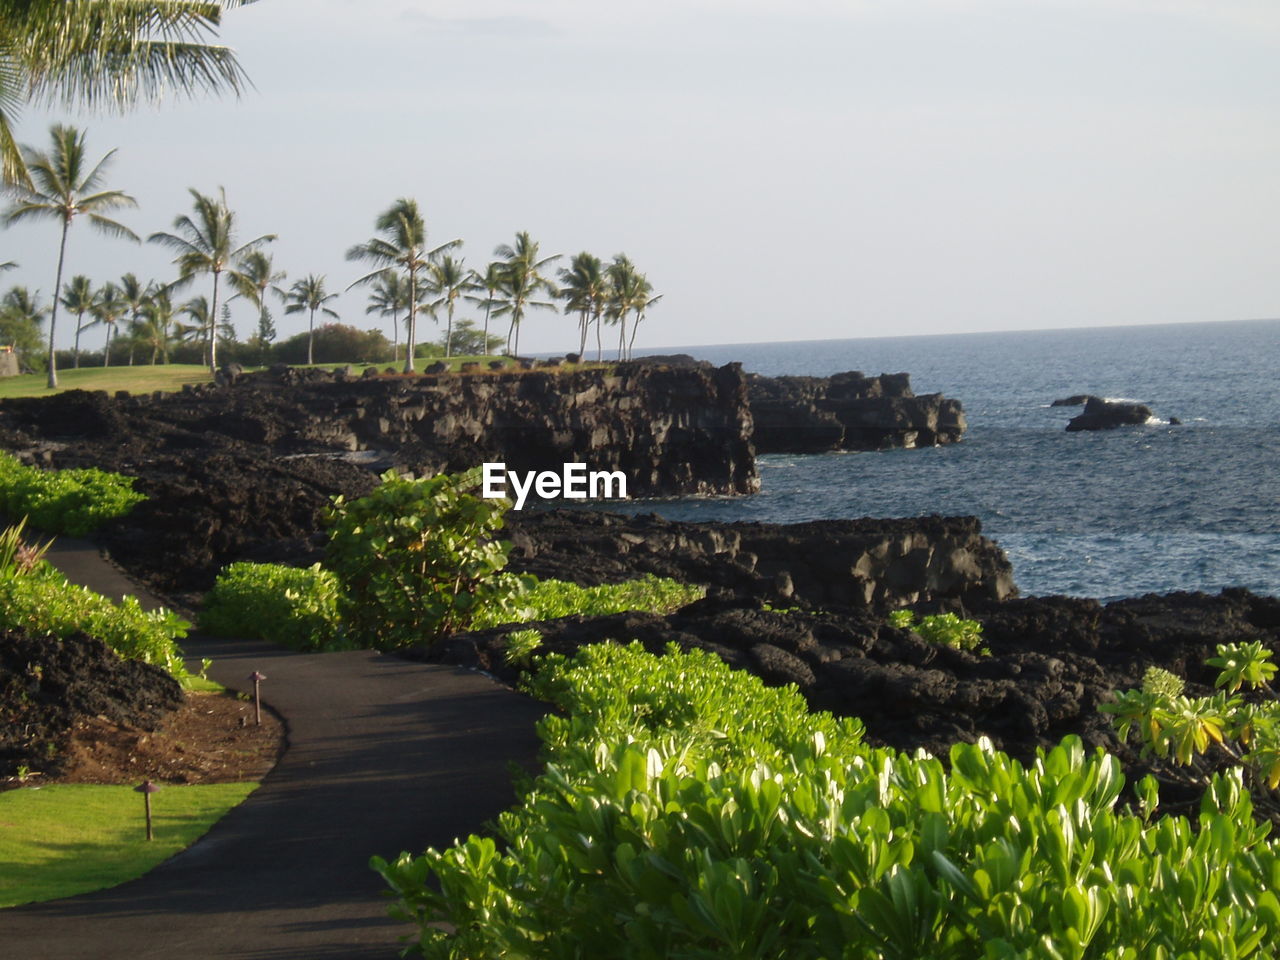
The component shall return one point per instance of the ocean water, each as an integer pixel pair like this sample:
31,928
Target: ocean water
1109,514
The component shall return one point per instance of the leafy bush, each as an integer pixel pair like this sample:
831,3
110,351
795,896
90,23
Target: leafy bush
37,598
335,343
687,810
521,645
945,629
417,560
74,502
267,601
1202,733
547,599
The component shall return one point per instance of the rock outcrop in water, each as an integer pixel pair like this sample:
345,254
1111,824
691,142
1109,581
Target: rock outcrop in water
1102,414
849,411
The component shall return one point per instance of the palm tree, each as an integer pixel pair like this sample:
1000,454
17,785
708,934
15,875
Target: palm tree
584,288
448,279
134,294
309,295
201,327
207,244
644,300
402,246
77,296
626,289
390,295
155,327
97,53
491,283
62,187
109,305
521,281
253,275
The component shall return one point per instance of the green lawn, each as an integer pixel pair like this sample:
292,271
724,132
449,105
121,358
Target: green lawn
135,379
65,839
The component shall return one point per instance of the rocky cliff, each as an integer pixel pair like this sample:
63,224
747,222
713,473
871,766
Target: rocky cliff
863,563
848,411
229,470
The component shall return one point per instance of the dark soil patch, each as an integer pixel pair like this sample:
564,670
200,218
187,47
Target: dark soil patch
72,711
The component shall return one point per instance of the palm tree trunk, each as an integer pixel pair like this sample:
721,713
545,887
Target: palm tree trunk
106,349
53,314
599,348
487,307
631,346
413,321
622,337
311,339
448,334
79,325
395,337
213,328
584,323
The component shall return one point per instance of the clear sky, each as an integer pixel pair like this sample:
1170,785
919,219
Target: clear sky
781,169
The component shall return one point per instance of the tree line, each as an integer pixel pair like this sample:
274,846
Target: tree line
410,277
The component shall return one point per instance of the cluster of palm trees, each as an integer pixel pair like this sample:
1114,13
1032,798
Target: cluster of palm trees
412,277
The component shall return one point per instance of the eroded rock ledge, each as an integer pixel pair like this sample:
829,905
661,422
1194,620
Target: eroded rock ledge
861,563
849,411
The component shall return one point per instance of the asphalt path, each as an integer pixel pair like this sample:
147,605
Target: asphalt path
384,755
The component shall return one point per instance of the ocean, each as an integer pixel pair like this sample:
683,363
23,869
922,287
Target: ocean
1118,513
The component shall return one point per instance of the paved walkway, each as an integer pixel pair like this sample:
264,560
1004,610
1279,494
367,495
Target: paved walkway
384,755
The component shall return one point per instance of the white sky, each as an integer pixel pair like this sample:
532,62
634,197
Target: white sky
781,169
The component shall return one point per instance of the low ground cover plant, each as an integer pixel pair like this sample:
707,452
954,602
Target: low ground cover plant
37,598
73,502
945,629
1194,736
688,810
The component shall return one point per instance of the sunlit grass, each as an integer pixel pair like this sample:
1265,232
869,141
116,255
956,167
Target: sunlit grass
66,839
140,378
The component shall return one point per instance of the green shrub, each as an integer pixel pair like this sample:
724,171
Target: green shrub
687,810
1202,733
38,599
267,601
73,502
945,629
548,599
417,560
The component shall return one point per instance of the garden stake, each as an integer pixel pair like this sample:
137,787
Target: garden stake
257,679
147,788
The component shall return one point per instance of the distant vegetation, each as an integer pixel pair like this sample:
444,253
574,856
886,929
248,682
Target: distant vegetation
146,322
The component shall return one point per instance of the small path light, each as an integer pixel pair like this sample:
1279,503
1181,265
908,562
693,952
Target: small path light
257,679
147,788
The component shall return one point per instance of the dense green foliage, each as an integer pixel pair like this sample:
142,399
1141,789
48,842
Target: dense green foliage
942,628
38,599
295,607
1194,732
417,559
547,599
301,608
687,810
74,502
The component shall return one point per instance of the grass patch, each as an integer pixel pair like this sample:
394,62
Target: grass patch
135,379
67,839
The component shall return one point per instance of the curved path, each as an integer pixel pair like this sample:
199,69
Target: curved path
384,755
